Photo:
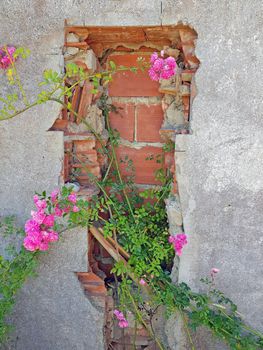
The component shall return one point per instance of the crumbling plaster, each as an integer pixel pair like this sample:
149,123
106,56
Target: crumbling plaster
219,171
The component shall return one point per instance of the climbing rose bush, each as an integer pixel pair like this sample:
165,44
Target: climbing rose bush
7,56
162,68
40,229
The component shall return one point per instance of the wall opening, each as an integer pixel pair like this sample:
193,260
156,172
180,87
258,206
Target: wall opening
147,114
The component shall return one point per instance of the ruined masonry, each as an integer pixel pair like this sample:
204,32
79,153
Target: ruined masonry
147,114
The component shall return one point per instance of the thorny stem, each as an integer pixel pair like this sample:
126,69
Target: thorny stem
33,104
100,187
20,111
187,329
117,166
242,325
135,335
141,320
107,171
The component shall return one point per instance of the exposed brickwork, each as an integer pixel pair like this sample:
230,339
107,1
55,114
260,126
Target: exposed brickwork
149,122
129,84
123,120
148,115
144,161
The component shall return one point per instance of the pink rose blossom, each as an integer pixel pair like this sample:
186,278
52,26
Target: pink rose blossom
49,236
6,58
67,209
123,323
43,246
58,211
75,209
118,314
158,64
214,270
72,198
29,244
11,50
162,68
170,63
142,282
154,57
49,220
38,216
178,242
53,236
54,195
153,75
40,204
31,226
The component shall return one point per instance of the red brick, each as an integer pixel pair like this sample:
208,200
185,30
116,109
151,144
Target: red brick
88,157
102,157
192,61
186,104
169,161
85,100
149,122
144,169
60,125
124,120
75,103
104,253
67,160
83,145
132,84
106,268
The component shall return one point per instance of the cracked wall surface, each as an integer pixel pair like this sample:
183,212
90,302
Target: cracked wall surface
219,170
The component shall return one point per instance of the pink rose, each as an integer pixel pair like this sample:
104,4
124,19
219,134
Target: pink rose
38,216
123,323
49,220
75,209
31,226
54,195
178,241
72,198
58,211
154,57
142,282
29,244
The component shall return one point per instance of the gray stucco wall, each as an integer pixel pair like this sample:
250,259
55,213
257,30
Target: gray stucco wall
220,173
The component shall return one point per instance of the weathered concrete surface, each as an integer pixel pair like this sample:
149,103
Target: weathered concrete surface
52,312
220,173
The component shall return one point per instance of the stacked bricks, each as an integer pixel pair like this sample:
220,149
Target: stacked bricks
138,118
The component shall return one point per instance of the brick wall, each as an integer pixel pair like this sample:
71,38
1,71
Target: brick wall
139,117
142,116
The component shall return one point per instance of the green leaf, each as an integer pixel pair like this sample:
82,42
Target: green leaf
112,65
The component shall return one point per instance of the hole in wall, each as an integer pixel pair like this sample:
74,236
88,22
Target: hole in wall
150,113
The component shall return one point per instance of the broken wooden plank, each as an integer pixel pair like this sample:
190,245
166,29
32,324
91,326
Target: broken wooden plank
113,243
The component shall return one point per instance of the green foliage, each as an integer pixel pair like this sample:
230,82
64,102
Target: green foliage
16,266
137,221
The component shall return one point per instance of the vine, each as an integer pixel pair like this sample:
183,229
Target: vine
137,222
